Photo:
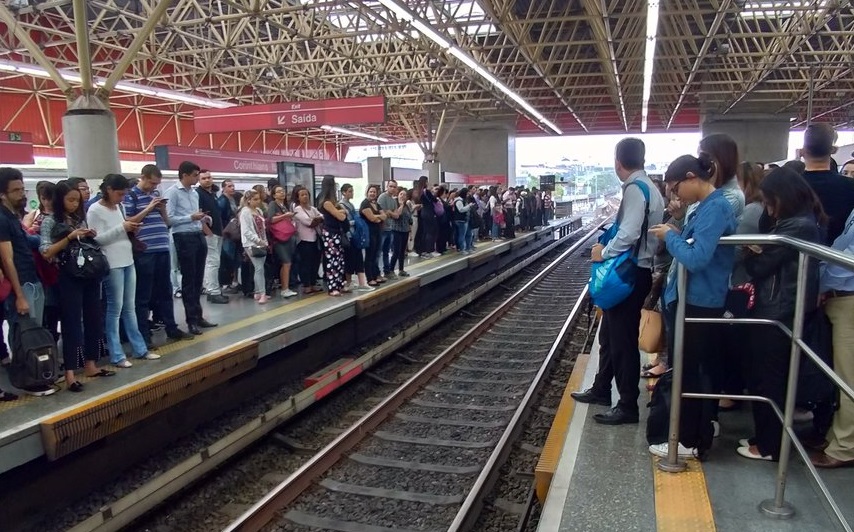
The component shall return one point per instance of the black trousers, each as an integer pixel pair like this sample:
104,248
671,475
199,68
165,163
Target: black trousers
768,374
309,262
398,255
619,358
372,267
425,235
191,250
154,291
702,372
510,232
82,339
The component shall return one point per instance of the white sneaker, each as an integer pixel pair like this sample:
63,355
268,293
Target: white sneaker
150,356
124,364
365,288
288,293
435,254
412,254
661,450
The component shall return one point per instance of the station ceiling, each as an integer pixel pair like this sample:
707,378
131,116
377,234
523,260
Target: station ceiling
579,63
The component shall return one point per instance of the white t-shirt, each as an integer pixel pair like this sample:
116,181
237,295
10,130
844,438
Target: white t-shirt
110,234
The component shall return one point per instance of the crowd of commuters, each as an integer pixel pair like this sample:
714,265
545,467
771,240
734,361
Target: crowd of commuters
198,239
701,199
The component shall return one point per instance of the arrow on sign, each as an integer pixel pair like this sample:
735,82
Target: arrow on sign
280,120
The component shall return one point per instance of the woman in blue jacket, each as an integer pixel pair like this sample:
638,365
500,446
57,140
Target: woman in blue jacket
709,266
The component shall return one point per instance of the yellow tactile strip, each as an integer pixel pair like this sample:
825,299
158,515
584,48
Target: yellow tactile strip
553,447
682,501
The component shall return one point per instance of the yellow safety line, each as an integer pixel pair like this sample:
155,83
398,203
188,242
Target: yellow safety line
553,447
682,501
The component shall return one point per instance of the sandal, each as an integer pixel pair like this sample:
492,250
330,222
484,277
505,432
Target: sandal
75,387
650,374
103,373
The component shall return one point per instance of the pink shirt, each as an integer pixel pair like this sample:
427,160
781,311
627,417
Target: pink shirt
302,219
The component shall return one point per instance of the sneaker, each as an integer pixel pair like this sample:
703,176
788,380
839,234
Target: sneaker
435,254
149,356
412,254
402,274
365,288
288,293
661,450
154,326
123,364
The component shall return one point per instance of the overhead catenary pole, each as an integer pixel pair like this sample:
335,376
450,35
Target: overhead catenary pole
84,57
134,48
8,18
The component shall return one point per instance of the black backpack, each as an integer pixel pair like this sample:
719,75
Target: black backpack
34,355
83,259
658,422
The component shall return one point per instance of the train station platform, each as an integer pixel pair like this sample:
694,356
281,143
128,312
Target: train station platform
598,478
50,428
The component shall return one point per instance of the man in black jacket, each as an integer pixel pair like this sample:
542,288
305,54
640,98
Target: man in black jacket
835,191
213,236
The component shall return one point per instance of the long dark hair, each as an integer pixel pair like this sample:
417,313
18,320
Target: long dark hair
63,188
115,182
790,195
724,152
327,191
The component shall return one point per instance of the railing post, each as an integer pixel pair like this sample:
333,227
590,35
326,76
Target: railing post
672,464
778,507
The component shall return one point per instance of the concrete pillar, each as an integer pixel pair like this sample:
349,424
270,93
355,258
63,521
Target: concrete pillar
379,170
91,139
481,149
433,171
760,137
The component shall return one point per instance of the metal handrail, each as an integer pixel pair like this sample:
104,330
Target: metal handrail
776,507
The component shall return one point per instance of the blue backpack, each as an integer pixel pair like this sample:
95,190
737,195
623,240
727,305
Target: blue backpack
360,236
612,280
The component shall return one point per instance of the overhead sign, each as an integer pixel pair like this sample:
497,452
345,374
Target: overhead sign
486,180
292,115
16,148
233,162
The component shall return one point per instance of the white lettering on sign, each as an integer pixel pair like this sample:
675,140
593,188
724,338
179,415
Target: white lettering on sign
296,106
256,166
304,119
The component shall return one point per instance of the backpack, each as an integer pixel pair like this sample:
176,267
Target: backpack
361,236
658,422
612,280
34,355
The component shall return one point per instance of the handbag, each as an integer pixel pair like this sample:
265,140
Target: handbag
232,230
650,339
83,259
740,301
613,279
282,230
258,251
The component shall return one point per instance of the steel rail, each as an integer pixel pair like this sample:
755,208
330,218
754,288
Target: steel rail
120,513
262,512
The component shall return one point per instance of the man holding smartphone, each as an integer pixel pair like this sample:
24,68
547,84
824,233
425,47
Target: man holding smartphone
143,204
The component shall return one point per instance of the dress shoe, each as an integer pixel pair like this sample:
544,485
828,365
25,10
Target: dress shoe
587,396
194,329
826,461
616,416
178,334
218,299
205,324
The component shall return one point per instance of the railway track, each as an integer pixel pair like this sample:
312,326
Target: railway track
425,457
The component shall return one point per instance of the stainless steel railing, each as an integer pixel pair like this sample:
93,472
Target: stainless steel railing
776,507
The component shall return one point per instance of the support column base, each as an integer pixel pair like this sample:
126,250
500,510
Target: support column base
769,508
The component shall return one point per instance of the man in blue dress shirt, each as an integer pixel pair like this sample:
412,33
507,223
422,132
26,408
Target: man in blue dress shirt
190,246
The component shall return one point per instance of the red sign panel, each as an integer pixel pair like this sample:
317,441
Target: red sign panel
486,180
233,162
291,115
16,148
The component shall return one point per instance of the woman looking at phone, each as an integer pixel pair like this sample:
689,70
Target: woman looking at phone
81,339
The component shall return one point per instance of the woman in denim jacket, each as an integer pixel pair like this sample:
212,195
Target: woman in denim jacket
709,266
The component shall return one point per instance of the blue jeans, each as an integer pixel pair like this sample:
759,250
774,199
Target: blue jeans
462,233
121,303
34,293
386,247
470,239
495,230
